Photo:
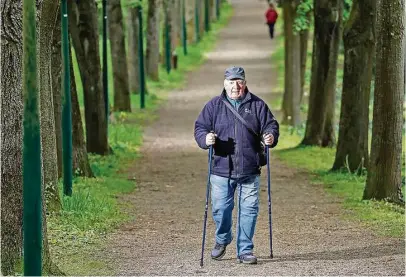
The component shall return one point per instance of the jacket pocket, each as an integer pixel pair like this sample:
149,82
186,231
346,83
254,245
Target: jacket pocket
221,162
250,158
216,160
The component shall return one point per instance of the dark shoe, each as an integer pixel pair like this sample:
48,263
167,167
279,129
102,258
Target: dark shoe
247,258
218,251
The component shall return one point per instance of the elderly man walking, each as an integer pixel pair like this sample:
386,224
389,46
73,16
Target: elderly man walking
236,123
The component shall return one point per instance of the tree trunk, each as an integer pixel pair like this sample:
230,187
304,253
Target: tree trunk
49,13
304,38
168,7
295,72
201,17
213,16
51,201
49,268
12,144
152,51
176,23
133,48
384,171
189,17
80,161
56,69
327,34
359,45
291,103
85,38
122,101
287,95
11,135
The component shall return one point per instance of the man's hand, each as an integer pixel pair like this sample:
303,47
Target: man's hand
210,139
268,139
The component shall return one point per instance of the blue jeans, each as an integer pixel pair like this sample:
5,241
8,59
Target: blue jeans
222,197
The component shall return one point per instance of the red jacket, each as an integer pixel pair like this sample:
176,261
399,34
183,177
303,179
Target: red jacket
271,16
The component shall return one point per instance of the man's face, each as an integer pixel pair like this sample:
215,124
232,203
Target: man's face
235,88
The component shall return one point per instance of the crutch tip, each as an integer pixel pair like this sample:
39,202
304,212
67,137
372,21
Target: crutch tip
271,256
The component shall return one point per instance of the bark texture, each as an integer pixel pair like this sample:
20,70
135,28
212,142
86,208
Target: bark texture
49,12
167,26
133,48
51,202
80,160
359,47
11,134
85,39
291,99
56,69
384,179
304,38
118,56
152,51
327,35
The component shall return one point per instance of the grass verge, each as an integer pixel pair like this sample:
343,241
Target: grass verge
384,218
77,232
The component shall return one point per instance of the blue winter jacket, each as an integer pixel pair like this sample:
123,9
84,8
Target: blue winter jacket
236,149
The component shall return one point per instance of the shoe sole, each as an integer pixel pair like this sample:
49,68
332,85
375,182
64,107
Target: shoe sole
219,257
247,262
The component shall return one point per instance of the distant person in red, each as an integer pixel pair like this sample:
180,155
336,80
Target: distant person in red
271,16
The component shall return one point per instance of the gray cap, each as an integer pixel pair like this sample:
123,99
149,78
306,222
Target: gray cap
234,72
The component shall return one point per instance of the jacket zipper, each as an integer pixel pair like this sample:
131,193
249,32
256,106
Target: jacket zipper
236,147
235,135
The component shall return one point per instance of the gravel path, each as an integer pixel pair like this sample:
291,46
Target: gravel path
310,238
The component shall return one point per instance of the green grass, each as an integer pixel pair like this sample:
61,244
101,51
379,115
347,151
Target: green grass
93,210
384,218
